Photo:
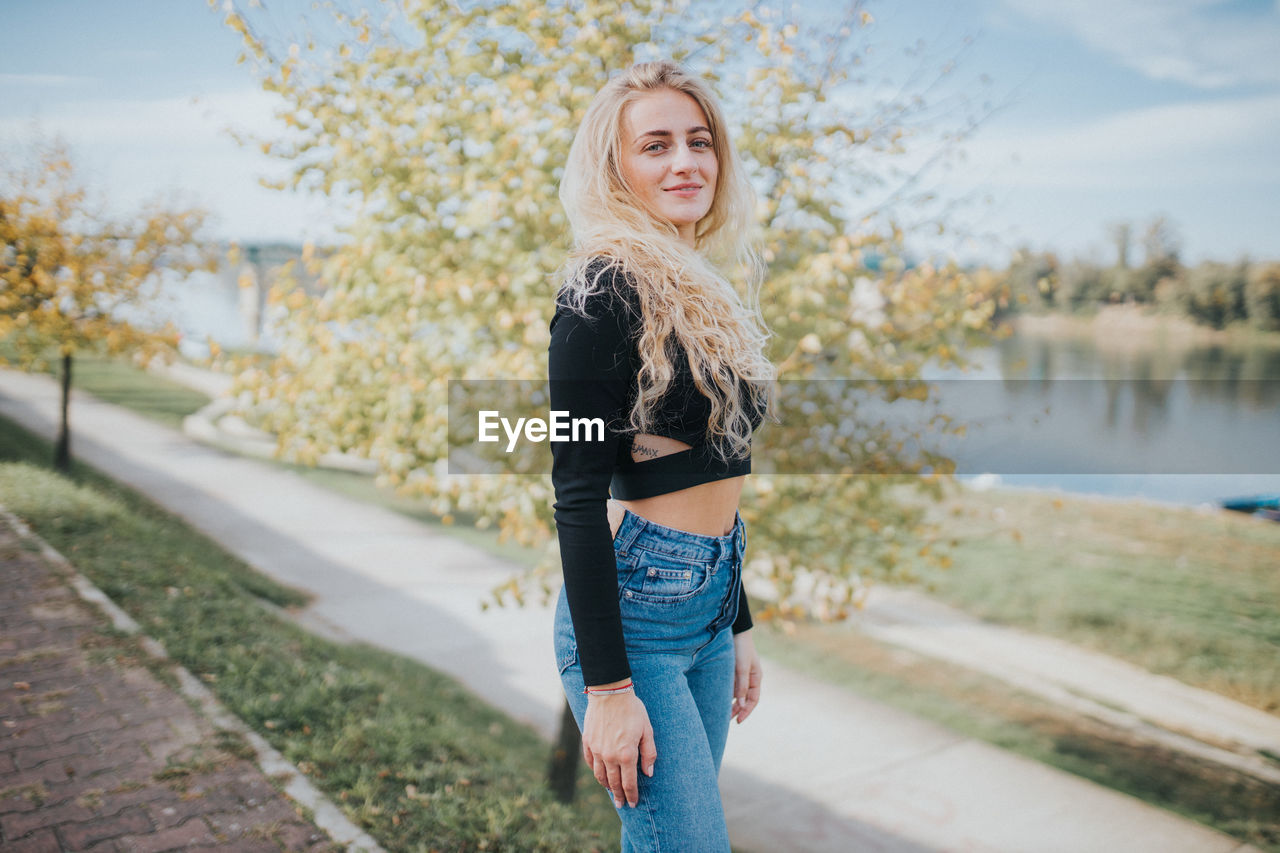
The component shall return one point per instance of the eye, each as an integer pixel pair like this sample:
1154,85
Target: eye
706,143
651,146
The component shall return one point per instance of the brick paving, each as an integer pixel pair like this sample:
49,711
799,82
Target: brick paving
96,753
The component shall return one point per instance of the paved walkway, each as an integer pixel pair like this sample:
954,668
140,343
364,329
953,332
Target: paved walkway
816,768
96,754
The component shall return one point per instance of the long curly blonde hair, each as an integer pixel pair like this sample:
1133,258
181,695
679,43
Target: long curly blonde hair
683,297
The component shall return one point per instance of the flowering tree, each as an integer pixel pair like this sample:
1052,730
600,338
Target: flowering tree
443,125
70,276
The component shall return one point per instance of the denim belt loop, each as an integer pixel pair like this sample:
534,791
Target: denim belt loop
632,526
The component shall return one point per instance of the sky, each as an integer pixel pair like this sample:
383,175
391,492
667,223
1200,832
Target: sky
1104,111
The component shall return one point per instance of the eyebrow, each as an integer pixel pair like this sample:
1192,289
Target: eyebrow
667,133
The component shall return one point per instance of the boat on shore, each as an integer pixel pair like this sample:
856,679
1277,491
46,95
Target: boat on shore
1259,506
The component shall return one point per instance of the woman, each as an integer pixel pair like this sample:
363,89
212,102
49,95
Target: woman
653,635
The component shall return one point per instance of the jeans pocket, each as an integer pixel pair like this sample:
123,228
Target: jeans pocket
563,638
566,657
663,578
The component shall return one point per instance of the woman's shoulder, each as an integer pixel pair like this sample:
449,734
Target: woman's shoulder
610,274
603,287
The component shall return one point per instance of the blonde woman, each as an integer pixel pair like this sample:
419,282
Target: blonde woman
653,635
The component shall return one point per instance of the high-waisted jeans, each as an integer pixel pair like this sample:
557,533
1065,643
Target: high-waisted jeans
678,593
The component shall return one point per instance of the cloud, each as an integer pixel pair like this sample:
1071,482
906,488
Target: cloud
1203,43
44,80
132,150
153,123
1201,143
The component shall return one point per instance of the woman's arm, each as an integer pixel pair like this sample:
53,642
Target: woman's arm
589,374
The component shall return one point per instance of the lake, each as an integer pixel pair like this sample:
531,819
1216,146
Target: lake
1170,418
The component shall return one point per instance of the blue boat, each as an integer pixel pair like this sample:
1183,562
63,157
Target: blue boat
1261,506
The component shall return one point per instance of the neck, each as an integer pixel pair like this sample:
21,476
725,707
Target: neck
687,233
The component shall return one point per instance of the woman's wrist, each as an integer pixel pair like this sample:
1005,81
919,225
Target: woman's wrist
614,688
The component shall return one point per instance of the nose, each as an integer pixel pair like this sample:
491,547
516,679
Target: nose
684,162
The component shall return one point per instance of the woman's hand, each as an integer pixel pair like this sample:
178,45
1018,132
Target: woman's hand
746,676
616,735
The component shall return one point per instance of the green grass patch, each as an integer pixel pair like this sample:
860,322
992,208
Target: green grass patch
1173,590
409,753
145,393
117,381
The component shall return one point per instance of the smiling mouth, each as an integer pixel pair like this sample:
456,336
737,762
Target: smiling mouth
689,188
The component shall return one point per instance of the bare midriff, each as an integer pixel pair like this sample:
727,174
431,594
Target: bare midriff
707,509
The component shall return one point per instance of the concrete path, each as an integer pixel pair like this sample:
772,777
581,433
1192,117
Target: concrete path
1156,708
816,768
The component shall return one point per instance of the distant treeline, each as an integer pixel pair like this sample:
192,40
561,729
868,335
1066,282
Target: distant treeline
1210,293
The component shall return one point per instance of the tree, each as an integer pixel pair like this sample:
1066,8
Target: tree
1262,296
69,275
1160,241
445,125
1081,285
1033,280
1161,247
1215,292
1121,234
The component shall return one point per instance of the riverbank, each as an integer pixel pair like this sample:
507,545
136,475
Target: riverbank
1135,328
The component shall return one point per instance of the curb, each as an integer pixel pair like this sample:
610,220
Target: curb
293,783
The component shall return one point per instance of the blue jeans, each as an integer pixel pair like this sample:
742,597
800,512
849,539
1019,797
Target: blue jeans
678,593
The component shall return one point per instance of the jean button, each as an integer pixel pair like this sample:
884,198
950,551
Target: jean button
653,572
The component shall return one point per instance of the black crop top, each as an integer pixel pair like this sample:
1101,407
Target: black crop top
592,367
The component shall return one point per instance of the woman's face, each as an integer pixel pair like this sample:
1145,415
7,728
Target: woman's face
669,158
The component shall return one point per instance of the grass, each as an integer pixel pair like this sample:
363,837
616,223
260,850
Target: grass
146,393
1184,593
1174,591
119,382
409,753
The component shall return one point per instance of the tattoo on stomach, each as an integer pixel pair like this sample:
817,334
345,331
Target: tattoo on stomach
647,447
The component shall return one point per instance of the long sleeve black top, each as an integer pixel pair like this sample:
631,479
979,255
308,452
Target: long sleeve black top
592,367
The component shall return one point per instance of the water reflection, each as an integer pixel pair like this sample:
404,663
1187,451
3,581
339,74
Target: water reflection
1029,357
1219,398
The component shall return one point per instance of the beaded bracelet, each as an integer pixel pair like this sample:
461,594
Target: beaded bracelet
597,691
